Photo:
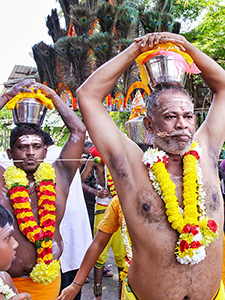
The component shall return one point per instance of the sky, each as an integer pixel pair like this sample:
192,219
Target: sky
22,24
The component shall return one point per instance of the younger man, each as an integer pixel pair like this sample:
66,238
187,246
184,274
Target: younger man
27,149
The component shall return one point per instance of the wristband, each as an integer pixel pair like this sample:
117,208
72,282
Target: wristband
78,283
6,96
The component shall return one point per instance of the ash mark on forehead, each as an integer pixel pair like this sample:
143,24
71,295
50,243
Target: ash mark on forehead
168,107
30,139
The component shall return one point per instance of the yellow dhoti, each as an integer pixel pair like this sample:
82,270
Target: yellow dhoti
220,295
36,290
128,294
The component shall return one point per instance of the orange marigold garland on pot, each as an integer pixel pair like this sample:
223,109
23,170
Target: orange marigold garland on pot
196,230
46,269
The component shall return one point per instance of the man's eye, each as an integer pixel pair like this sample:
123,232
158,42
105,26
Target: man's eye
170,117
189,117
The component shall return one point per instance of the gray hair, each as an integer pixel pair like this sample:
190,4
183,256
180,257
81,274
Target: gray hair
152,100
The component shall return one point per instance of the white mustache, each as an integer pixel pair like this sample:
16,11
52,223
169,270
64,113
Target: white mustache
175,133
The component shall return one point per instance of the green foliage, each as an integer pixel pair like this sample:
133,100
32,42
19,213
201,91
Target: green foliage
209,36
191,9
120,118
6,121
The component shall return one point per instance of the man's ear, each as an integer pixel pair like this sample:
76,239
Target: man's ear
9,152
148,124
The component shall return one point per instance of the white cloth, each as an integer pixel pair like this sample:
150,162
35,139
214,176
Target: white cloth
75,226
103,201
5,162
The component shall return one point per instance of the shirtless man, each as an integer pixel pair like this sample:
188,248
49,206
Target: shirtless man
27,145
155,272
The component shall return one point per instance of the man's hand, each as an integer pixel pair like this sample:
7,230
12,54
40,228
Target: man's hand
22,296
103,193
69,293
47,91
20,87
150,40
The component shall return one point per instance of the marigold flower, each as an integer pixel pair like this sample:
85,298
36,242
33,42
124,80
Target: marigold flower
196,230
16,182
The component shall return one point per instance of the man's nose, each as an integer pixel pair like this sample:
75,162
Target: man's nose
30,150
15,243
181,122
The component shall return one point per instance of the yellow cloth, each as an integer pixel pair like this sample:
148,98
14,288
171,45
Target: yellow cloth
113,217
127,293
116,240
36,290
220,295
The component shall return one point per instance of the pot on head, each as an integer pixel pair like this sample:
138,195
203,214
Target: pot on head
164,70
29,111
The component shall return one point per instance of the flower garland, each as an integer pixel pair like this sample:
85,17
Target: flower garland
125,234
110,184
6,290
46,269
196,230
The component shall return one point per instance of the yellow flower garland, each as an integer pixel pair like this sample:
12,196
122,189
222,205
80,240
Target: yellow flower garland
128,250
41,235
110,184
125,234
195,229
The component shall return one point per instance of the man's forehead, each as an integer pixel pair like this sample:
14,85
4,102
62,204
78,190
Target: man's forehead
30,139
178,101
7,228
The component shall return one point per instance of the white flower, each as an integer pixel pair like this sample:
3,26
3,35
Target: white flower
153,155
6,290
198,237
199,255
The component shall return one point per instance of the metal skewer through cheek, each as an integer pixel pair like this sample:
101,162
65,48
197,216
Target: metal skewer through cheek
46,160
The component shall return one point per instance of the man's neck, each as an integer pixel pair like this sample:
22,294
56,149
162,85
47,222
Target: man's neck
175,165
30,177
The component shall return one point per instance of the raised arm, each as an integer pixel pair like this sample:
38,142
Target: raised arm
73,148
20,87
